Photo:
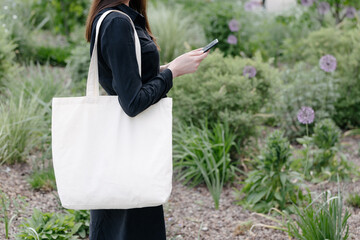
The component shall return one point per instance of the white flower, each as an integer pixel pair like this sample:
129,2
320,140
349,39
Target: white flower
15,17
6,7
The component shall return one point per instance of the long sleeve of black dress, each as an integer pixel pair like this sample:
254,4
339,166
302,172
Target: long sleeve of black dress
118,52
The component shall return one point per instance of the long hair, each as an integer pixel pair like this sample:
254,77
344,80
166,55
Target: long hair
98,5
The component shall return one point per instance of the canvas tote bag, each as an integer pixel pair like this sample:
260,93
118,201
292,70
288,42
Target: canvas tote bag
104,159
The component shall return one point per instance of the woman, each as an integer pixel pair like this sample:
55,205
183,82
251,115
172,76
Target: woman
119,75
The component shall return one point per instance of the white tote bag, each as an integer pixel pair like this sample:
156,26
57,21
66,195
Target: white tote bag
104,159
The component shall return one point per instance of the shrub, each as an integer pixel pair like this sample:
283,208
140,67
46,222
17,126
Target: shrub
56,56
63,16
218,91
337,9
17,20
48,226
342,43
202,155
305,86
272,184
321,220
7,56
258,31
174,30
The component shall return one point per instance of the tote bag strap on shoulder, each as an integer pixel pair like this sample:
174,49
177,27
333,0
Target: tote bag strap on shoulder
92,85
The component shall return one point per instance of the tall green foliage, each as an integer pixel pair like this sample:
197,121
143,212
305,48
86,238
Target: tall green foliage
20,122
7,56
202,155
8,215
323,219
25,111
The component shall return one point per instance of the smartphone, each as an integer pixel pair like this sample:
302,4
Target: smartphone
210,45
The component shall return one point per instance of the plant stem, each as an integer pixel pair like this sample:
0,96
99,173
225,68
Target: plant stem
307,151
307,130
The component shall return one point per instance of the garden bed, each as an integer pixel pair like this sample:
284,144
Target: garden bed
190,212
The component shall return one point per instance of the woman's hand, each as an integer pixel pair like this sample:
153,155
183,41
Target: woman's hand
187,63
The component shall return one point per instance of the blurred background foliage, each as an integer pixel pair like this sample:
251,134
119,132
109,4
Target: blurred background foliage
220,112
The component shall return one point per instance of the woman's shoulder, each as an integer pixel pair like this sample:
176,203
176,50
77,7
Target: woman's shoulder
116,19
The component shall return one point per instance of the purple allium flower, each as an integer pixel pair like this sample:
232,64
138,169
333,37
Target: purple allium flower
323,8
234,25
306,115
350,12
307,3
328,63
249,71
249,6
232,39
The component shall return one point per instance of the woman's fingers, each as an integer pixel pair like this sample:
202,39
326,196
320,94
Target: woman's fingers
196,52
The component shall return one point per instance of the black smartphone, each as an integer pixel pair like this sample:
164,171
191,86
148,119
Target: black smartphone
210,45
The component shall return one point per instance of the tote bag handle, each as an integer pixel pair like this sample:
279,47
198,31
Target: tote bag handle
92,84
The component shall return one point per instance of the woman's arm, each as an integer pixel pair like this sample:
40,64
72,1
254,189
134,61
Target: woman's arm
118,51
163,67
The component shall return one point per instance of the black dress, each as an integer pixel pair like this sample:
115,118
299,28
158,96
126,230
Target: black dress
118,75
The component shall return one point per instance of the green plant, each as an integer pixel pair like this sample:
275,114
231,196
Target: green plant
6,216
295,93
48,226
219,91
20,123
78,62
326,159
337,9
56,56
43,180
43,81
174,31
258,31
354,200
203,155
18,22
82,217
326,135
321,220
342,43
26,110
272,184
62,16
7,55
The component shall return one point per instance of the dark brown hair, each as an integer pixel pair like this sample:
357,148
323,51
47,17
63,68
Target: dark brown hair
98,5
